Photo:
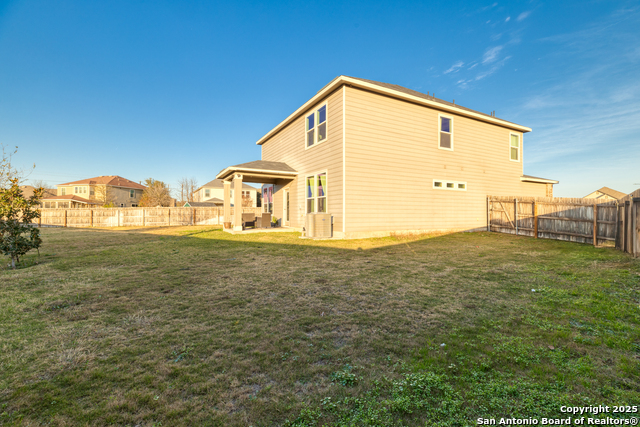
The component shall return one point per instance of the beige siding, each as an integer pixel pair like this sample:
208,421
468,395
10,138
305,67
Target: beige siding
289,146
392,158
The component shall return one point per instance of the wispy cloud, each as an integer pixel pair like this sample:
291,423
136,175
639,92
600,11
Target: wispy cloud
455,67
523,16
491,54
599,102
508,19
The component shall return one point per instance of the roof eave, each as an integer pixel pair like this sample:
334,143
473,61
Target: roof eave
538,180
344,80
248,171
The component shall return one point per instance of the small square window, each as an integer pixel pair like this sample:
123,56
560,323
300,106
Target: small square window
450,185
437,184
462,186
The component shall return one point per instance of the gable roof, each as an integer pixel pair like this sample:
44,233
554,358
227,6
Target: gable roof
112,180
394,91
218,183
612,193
260,168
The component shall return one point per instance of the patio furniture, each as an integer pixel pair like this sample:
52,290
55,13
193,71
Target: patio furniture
248,220
264,221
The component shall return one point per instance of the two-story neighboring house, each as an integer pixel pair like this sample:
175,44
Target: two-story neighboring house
606,194
382,158
110,190
213,192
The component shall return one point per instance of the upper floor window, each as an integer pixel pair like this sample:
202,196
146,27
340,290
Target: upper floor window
63,192
446,133
514,149
132,193
316,126
207,192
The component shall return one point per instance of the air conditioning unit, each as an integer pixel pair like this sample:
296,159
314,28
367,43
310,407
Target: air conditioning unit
318,225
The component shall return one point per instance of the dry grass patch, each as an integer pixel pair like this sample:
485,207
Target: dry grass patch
193,326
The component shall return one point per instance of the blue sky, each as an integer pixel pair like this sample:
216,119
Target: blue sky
183,89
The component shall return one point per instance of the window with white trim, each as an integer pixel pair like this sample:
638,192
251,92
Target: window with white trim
132,193
514,147
63,192
446,132
316,192
441,184
207,192
316,126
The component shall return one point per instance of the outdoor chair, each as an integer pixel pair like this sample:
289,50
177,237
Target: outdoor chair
248,220
264,221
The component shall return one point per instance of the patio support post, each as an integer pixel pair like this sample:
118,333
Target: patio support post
237,202
227,201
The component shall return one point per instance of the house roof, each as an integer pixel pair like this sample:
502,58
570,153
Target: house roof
260,169
218,183
112,180
27,191
395,91
215,202
612,193
70,197
529,178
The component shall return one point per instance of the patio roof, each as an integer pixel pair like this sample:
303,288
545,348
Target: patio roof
259,171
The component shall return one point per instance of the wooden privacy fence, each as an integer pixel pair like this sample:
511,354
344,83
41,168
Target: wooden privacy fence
574,220
629,225
134,217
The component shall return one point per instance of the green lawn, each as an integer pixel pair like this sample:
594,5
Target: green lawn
193,326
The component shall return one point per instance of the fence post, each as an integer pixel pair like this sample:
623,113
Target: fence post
40,219
169,216
535,220
65,217
515,214
91,217
143,217
193,218
488,216
595,224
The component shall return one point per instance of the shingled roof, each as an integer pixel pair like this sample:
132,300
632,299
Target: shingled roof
112,180
612,193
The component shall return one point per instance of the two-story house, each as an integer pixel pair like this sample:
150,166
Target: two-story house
382,158
213,192
109,190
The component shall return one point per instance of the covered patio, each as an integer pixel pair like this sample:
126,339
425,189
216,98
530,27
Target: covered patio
258,172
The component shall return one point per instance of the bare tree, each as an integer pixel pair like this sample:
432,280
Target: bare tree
157,193
187,188
7,170
105,195
40,183
247,201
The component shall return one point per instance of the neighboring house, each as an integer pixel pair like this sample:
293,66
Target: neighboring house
213,191
382,158
112,189
605,194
